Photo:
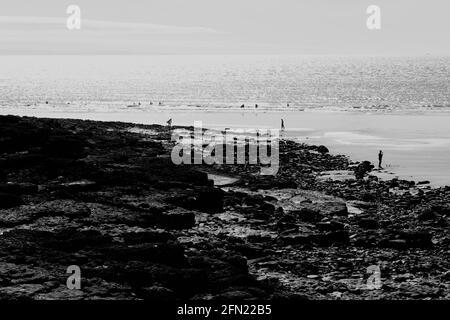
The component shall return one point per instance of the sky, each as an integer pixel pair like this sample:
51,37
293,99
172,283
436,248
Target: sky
408,27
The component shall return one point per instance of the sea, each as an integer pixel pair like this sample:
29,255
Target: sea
356,105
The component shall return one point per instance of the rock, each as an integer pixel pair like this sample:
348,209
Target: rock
22,160
446,276
336,294
147,236
417,239
8,200
20,292
364,204
177,219
285,184
366,239
408,239
442,209
123,215
15,216
330,226
206,199
319,239
72,240
307,215
322,149
190,176
167,185
427,214
423,182
287,224
64,147
395,244
236,260
157,293
61,293
18,188
295,239
64,240
333,208
368,223
362,169
79,186
394,183
166,253
210,200
68,208
366,196
234,295
330,238
250,251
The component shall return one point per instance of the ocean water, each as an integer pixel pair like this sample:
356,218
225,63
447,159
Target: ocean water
311,83
354,105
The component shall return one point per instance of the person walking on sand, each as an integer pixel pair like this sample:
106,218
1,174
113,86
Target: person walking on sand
380,159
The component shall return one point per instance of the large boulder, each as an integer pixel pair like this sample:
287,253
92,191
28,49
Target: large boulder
362,169
322,149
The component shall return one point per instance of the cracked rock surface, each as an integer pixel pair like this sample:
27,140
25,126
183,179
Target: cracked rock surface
106,197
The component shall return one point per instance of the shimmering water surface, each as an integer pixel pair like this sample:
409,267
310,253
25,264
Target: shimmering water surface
304,82
354,105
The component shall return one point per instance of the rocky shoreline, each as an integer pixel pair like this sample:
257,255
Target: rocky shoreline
106,197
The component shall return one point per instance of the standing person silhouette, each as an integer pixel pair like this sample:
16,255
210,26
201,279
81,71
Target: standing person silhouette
380,159
282,124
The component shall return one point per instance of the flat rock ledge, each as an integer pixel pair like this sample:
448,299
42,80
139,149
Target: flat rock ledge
105,197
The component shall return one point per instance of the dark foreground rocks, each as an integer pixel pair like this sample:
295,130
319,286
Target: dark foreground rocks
105,197
81,193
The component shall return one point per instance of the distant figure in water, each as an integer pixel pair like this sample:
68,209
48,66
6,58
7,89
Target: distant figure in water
242,106
151,103
256,106
287,105
282,124
380,159
160,103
